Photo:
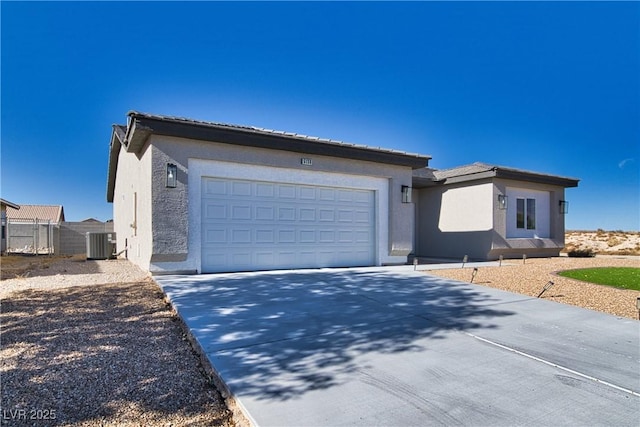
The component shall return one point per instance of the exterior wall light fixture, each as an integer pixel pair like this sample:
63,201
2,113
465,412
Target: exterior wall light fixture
172,175
502,202
406,194
564,206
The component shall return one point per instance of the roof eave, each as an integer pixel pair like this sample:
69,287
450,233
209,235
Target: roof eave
143,126
9,204
117,140
537,178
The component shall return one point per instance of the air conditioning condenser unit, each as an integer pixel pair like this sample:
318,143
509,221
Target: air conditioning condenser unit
101,245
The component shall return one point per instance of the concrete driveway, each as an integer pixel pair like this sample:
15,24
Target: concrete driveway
390,346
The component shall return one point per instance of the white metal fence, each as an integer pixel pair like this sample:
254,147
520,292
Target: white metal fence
41,237
31,236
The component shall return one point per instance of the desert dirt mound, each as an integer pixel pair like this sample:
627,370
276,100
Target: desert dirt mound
604,242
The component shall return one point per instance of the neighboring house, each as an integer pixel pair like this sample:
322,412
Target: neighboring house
91,220
43,229
42,213
192,196
4,204
33,228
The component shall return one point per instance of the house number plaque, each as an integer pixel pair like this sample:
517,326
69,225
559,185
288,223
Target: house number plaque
306,162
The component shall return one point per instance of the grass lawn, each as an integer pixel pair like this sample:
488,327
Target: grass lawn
618,277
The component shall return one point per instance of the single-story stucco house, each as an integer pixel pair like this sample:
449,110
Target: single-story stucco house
41,213
199,197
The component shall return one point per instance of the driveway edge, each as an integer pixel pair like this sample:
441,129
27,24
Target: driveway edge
238,412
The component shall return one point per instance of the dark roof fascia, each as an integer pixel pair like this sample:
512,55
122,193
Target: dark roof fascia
515,176
422,182
117,140
143,126
423,178
137,134
512,174
536,178
8,203
470,177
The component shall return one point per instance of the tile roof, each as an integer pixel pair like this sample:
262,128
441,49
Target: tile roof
266,131
53,213
140,127
480,170
462,170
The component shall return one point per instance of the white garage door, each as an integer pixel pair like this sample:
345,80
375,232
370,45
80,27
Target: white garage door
253,225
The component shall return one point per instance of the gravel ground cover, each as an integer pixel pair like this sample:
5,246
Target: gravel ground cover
88,343
93,343
529,278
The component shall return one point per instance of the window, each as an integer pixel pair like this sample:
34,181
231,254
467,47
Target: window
531,214
526,214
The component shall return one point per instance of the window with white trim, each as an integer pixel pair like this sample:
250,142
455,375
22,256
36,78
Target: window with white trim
526,213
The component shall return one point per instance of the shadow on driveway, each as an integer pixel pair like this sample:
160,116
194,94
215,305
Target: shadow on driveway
279,335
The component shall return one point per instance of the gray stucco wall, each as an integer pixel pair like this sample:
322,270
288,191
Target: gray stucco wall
132,206
170,214
485,242
163,213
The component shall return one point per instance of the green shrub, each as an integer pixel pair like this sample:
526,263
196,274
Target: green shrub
581,253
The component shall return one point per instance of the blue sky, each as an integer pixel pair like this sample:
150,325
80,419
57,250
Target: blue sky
551,87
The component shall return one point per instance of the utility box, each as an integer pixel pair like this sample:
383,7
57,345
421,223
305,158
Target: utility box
101,245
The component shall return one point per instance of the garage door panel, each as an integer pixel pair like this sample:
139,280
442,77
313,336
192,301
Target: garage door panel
239,188
327,236
241,212
215,236
345,196
308,257
362,217
286,214
240,236
307,193
250,225
264,213
362,237
215,211
327,194
345,236
327,215
241,258
265,190
265,237
307,214
265,259
286,191
215,187
361,197
286,236
285,257
345,215
307,236
215,260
